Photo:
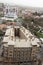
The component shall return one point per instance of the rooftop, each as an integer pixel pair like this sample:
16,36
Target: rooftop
26,39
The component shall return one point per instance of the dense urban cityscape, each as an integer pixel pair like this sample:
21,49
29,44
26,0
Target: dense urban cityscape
21,35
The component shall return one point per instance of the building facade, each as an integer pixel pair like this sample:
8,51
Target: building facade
19,47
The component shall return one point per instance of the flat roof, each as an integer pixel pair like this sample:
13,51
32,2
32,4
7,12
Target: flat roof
5,39
17,43
9,31
11,42
31,39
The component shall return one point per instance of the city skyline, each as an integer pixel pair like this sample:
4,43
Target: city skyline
32,3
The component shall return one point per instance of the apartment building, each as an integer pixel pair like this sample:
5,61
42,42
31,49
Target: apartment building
19,46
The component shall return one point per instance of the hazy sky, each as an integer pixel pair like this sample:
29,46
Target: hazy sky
33,3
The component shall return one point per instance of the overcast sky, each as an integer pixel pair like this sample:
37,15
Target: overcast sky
33,3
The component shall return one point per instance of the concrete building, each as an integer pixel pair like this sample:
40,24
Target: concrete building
19,46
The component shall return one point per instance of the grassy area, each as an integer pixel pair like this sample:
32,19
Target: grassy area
1,15
35,31
1,33
40,35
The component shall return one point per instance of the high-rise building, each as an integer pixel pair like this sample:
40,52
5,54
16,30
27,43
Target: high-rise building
19,46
